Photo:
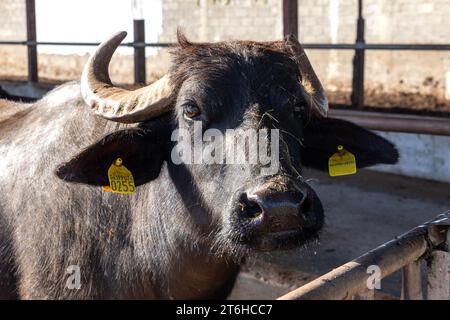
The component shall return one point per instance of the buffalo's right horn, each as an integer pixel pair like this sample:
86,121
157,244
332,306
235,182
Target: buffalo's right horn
115,103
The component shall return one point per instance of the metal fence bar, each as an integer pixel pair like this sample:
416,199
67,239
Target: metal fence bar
290,18
50,43
357,96
315,46
139,51
438,281
351,278
31,36
412,282
380,46
426,47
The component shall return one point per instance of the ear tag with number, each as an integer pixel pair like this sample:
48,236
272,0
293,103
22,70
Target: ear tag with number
120,179
341,163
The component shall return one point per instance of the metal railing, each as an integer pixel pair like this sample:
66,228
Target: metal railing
342,46
92,44
429,241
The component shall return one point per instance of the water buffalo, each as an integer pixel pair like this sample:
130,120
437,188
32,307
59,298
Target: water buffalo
184,231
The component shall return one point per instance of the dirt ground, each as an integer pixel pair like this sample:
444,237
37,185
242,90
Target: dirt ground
376,99
362,212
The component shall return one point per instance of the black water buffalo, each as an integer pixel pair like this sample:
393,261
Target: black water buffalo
187,226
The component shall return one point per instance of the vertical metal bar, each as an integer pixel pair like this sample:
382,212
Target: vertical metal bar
358,62
31,41
139,52
290,18
438,281
412,282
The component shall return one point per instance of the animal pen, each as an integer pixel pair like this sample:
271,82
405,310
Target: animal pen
428,242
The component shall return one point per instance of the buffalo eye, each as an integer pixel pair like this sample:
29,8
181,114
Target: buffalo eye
191,111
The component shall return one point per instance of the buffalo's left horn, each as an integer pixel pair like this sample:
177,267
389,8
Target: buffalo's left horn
312,89
115,103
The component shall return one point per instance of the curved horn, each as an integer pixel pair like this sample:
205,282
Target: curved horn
312,89
115,103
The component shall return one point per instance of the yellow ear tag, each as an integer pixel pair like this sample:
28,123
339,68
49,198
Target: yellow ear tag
120,179
341,163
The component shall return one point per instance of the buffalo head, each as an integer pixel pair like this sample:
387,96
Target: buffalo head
211,90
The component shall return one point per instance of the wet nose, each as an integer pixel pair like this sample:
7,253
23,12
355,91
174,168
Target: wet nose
268,210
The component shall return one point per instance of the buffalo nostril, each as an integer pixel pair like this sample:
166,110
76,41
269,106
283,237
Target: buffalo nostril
248,208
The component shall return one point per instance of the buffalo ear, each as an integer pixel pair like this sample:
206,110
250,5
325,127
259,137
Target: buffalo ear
322,136
142,152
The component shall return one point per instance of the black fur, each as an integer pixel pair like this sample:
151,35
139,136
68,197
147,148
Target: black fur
175,237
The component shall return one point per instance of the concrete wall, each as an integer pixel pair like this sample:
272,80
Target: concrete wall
214,20
422,156
12,17
418,80
12,27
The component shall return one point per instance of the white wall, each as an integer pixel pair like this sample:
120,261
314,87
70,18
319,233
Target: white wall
92,21
422,156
